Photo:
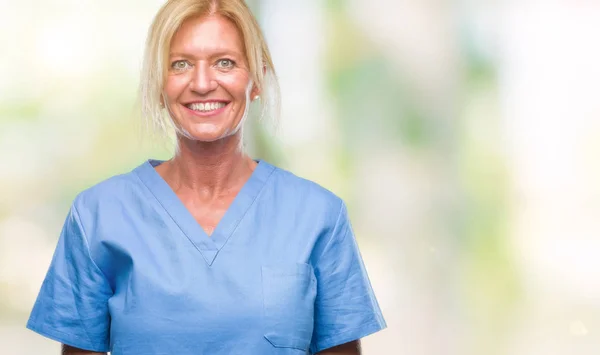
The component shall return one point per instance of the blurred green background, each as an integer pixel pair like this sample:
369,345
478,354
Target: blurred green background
464,136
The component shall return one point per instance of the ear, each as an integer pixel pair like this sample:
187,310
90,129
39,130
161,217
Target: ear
254,93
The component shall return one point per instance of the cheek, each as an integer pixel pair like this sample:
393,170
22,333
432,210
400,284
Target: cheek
174,86
235,84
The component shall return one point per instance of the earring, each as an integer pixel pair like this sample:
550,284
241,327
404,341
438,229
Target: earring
256,97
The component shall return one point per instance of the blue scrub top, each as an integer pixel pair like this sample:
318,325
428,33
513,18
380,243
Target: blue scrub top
134,273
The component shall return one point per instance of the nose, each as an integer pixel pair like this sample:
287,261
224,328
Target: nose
203,79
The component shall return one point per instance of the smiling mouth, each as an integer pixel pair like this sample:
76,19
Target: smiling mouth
206,107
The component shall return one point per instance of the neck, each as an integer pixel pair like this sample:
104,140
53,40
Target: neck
210,169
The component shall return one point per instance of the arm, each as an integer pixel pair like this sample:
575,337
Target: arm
345,307
351,348
72,305
69,350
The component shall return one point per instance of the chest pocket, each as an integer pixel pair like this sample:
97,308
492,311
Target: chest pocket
289,292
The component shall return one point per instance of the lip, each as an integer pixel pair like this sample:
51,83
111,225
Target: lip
206,114
205,101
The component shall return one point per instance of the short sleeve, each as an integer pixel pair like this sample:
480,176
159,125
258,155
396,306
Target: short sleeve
72,306
345,308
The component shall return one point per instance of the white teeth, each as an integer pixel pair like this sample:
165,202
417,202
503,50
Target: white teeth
206,107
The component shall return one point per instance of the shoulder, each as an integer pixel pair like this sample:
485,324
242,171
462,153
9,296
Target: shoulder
109,195
106,207
299,192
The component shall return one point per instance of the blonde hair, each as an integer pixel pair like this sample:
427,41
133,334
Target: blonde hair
156,56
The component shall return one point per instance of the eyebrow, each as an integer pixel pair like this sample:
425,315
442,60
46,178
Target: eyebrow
216,54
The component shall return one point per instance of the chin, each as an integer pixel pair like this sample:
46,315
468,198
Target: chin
204,135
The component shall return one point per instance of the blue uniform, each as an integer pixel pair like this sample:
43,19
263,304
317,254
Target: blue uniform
134,273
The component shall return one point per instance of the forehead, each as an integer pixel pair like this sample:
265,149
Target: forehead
206,34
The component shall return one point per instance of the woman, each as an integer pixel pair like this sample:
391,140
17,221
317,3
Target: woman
210,252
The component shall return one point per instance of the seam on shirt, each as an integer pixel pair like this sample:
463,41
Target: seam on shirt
159,202
182,230
87,247
335,228
249,207
363,267
62,337
341,338
333,234
373,299
87,244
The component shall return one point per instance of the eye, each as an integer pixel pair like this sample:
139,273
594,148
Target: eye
225,63
180,65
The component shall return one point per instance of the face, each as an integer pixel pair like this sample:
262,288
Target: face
208,84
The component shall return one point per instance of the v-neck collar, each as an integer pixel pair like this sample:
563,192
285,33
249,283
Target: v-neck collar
209,247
